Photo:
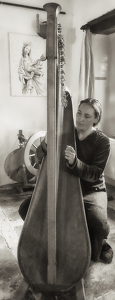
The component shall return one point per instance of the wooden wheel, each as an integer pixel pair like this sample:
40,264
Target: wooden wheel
30,150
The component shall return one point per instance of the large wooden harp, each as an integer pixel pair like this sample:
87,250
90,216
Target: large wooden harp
54,247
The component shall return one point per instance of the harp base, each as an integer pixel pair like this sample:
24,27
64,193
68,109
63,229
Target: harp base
23,288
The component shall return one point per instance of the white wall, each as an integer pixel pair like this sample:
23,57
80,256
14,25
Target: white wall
26,113
104,56
29,114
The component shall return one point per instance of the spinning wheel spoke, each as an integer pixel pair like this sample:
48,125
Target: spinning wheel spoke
34,146
34,165
29,154
32,154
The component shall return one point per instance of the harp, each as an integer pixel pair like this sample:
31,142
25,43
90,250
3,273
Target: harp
54,247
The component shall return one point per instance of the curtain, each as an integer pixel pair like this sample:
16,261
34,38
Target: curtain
86,75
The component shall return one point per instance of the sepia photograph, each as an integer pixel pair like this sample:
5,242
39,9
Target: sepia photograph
57,150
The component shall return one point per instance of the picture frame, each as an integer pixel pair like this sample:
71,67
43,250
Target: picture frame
28,65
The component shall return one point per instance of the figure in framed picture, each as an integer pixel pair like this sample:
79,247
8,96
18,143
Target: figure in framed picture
31,72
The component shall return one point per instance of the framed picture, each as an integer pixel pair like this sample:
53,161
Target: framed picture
28,65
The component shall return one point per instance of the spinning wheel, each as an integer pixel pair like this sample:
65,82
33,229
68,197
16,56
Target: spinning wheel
30,150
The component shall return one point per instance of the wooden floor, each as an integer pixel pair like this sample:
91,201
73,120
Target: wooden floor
99,280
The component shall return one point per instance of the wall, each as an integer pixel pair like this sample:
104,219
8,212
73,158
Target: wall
110,167
109,123
29,114
84,11
100,55
104,63
26,113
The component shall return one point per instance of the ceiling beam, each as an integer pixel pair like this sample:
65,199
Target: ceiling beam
102,25
25,6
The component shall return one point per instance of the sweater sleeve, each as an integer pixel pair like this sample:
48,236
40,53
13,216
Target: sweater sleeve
92,172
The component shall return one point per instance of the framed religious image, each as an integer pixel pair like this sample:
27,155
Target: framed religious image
28,65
